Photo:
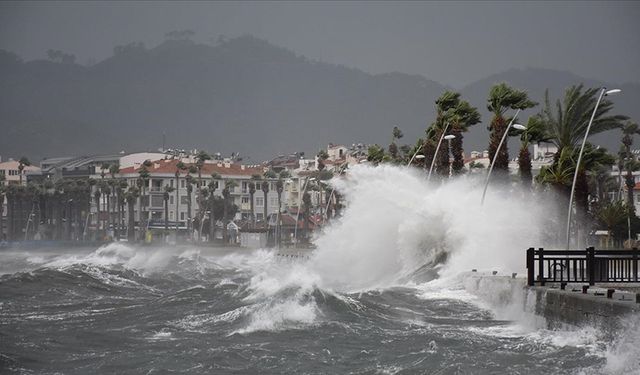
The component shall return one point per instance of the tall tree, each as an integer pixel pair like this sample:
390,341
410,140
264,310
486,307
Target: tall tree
131,196
165,196
143,182
534,133
279,190
179,167
23,162
567,121
462,116
252,192
265,190
226,194
629,129
501,98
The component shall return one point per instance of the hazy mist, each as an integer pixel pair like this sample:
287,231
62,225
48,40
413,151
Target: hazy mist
453,43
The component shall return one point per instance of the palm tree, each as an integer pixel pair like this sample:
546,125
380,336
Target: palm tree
201,157
463,116
190,182
23,162
114,169
559,175
628,131
306,201
535,132
265,190
226,194
279,190
501,98
131,196
396,134
3,190
444,103
611,215
252,192
142,183
456,116
179,167
167,191
567,122
212,217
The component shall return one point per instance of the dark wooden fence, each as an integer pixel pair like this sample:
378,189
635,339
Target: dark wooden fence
582,266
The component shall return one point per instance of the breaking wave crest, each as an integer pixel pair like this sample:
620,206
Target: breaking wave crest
387,271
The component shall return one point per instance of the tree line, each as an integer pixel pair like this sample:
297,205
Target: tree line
599,198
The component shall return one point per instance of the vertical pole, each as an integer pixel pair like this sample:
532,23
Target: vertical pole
495,157
591,265
635,264
435,156
575,175
530,265
541,266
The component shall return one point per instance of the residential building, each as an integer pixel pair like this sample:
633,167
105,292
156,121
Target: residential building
11,171
163,173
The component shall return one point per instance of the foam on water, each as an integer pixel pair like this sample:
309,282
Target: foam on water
395,225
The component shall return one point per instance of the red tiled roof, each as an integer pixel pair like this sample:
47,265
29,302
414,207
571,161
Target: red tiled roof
170,166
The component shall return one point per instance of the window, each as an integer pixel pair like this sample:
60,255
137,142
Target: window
259,201
182,184
171,215
273,201
245,200
259,216
171,199
184,200
181,215
157,201
245,187
171,183
273,187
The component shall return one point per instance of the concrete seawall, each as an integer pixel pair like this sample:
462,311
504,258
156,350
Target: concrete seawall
593,308
558,307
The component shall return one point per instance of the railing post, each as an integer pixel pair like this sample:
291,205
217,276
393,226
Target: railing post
541,266
530,265
635,264
591,264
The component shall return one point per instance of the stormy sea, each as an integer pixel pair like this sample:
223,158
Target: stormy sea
383,292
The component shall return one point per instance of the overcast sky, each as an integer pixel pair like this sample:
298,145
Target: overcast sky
454,43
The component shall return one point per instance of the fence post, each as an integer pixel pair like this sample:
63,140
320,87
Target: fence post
635,264
591,264
541,266
530,265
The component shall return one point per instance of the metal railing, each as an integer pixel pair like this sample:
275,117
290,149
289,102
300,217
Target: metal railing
581,266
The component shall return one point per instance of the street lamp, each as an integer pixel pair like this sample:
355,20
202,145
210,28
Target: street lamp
495,156
603,92
435,156
415,154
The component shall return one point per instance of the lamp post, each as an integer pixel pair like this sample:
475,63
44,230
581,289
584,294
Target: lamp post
415,154
495,157
603,92
433,161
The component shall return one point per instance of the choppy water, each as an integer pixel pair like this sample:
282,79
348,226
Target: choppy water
382,294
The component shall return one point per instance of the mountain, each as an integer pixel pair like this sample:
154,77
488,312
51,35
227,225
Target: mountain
242,95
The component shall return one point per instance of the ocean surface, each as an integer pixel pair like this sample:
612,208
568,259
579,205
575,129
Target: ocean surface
178,310
383,293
